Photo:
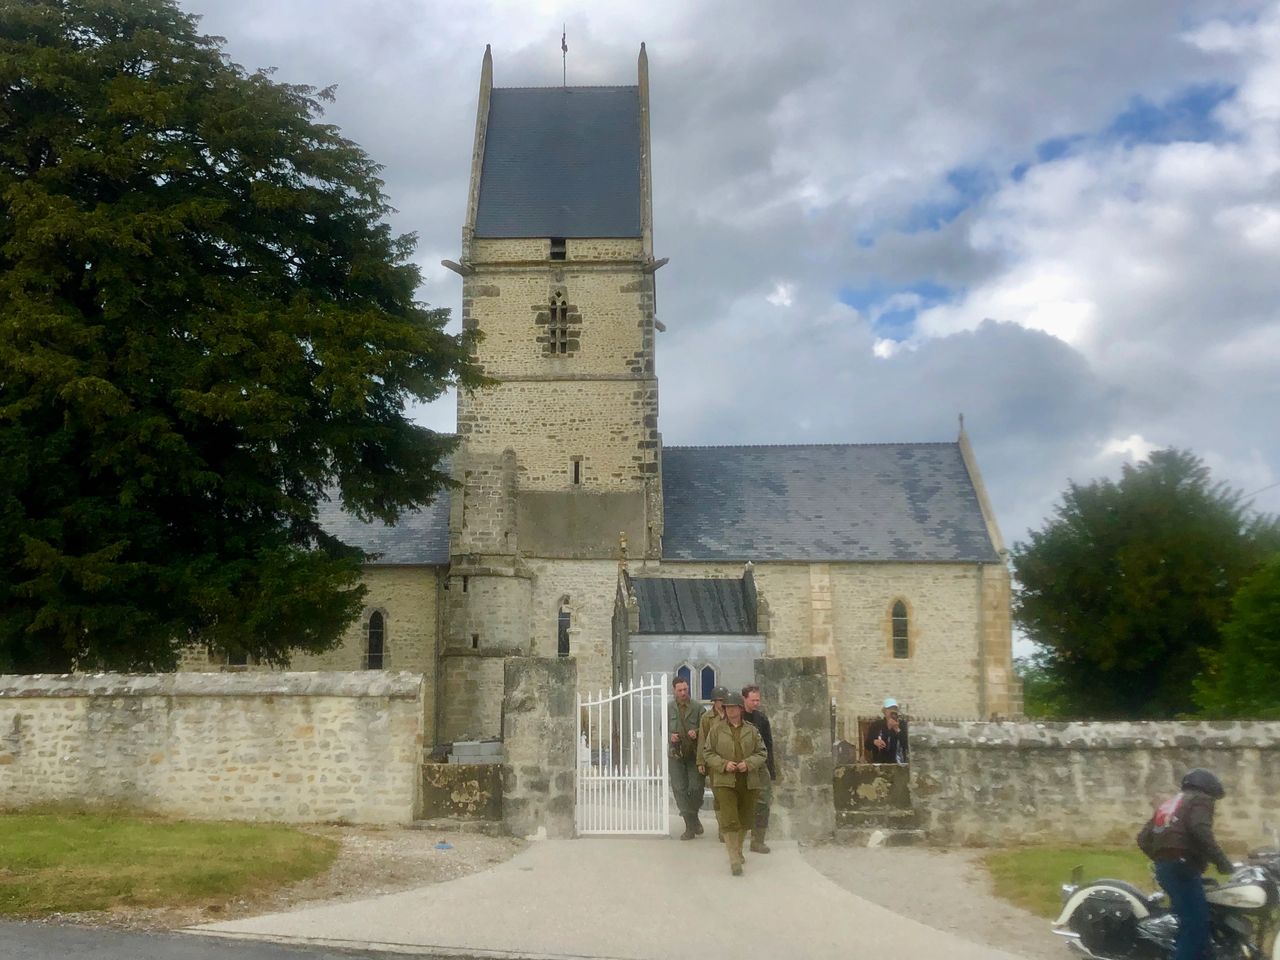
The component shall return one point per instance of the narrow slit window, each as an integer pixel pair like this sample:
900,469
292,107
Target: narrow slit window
465,582
575,470
475,641
376,647
558,249
564,621
901,632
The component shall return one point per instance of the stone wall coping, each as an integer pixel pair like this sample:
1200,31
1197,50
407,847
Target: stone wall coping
1094,735
392,684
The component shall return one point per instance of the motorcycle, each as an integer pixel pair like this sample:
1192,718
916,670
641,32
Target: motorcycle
1114,920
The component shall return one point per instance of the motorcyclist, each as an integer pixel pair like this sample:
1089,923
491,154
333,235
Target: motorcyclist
1179,838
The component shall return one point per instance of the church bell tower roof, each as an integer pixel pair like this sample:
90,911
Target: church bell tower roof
561,162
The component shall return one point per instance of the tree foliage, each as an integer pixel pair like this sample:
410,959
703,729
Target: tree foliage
1244,676
205,324
1131,581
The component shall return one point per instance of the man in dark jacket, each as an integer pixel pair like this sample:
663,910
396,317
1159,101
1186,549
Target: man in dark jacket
764,798
1179,838
886,739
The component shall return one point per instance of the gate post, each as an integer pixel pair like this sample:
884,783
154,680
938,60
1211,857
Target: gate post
794,691
539,740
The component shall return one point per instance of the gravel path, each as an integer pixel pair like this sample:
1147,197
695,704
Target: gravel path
371,862
945,889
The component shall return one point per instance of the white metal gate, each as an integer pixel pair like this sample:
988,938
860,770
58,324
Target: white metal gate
622,760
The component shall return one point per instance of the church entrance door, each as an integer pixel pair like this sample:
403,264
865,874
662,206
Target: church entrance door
622,778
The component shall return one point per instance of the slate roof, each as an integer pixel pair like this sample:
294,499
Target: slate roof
676,605
873,502
421,537
909,502
561,162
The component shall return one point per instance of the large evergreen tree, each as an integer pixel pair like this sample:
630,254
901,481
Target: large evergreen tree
205,324
1244,676
1129,585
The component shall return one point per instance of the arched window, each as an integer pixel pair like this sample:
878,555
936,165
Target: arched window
563,623
707,681
685,672
901,631
376,645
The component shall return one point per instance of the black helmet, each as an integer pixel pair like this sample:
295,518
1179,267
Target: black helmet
1204,781
720,693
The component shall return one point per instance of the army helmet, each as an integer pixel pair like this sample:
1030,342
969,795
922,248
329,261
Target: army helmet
720,693
734,700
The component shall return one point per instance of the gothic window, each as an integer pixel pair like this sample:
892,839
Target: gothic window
564,621
558,326
375,641
707,681
901,631
685,672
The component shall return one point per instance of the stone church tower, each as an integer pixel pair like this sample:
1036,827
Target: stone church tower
885,559
561,456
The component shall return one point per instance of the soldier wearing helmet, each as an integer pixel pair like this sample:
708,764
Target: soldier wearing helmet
710,719
735,754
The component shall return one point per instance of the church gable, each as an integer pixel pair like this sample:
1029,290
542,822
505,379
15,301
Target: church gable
895,502
561,162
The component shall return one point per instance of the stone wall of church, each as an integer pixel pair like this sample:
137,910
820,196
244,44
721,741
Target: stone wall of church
294,747
842,611
590,586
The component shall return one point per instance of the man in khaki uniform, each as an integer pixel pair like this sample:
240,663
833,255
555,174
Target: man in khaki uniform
735,755
709,719
687,780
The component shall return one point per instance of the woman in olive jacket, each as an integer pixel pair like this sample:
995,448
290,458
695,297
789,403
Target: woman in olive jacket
735,756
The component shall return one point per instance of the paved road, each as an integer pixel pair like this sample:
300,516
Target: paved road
36,941
616,899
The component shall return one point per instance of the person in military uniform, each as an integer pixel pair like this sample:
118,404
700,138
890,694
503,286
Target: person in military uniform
735,754
709,719
684,717
764,799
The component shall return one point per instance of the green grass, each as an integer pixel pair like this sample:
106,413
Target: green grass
1031,877
60,862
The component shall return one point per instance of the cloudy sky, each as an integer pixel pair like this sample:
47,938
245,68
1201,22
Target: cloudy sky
1062,220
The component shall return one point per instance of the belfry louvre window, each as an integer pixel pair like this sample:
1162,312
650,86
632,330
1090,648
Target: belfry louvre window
558,328
901,632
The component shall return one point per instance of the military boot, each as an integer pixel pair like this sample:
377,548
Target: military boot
758,830
733,841
697,824
689,832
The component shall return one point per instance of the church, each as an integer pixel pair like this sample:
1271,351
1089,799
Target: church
574,531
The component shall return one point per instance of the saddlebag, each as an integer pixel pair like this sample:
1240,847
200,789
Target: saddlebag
1106,923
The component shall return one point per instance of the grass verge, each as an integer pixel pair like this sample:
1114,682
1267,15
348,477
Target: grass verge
60,862
1031,877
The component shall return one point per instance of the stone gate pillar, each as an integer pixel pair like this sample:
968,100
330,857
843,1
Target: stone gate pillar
539,737
797,702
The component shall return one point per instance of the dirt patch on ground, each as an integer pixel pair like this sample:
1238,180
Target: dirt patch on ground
944,889
370,862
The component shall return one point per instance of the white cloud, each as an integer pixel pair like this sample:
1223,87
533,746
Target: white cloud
781,295
1132,447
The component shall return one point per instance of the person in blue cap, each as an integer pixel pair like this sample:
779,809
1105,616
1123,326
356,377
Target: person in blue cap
886,739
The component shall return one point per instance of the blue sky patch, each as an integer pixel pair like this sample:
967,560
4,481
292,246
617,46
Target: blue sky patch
1188,117
963,187
896,323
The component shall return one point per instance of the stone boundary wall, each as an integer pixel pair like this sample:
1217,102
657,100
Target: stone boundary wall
978,783
291,747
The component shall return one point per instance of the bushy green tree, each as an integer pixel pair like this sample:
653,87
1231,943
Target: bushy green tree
205,324
1131,581
1043,693
1243,678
